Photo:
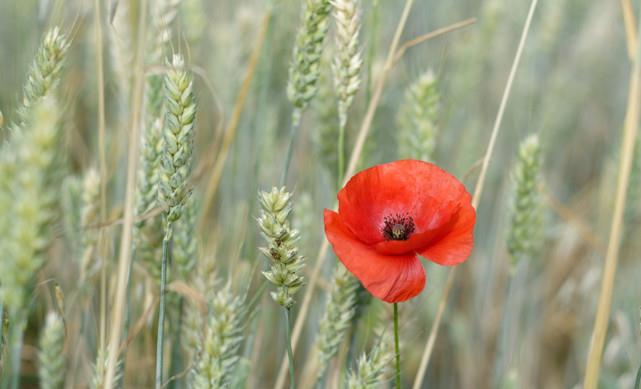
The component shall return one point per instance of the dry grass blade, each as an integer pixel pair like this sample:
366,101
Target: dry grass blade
612,255
124,258
630,27
429,346
422,38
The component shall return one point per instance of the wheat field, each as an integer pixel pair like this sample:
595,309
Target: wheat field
168,167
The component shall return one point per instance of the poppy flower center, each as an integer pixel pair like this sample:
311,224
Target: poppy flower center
398,227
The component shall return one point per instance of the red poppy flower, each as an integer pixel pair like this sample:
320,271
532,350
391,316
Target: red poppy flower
388,214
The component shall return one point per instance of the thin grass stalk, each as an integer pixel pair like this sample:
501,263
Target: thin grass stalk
290,353
341,154
1,329
161,309
628,142
478,191
16,334
124,257
358,148
293,132
175,362
397,351
100,79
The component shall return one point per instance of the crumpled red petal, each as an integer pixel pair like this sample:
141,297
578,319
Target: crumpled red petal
391,278
419,189
456,246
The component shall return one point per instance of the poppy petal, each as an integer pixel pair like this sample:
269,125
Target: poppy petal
456,246
391,278
406,187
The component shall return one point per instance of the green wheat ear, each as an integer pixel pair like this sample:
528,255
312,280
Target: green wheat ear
525,232
177,139
218,356
418,118
282,241
51,357
371,369
304,69
44,73
31,161
339,311
348,62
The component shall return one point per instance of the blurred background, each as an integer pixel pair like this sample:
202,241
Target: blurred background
570,89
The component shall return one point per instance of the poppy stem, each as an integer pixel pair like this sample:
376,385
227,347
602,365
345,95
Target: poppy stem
397,348
290,353
161,310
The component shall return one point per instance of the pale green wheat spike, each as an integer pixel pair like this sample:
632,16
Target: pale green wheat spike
32,200
418,118
89,217
163,14
525,228
304,69
100,368
44,72
282,250
89,213
51,369
185,247
347,64
149,229
177,139
338,315
371,369
219,357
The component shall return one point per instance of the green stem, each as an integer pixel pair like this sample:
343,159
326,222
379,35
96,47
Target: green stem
161,314
341,153
293,131
18,324
290,353
175,365
397,348
637,381
1,329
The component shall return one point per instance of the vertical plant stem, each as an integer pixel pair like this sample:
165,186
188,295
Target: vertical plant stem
124,257
166,253
16,334
290,353
1,329
293,132
175,365
637,381
341,154
628,141
103,164
397,350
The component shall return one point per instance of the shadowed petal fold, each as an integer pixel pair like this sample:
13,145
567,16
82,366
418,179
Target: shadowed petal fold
391,278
